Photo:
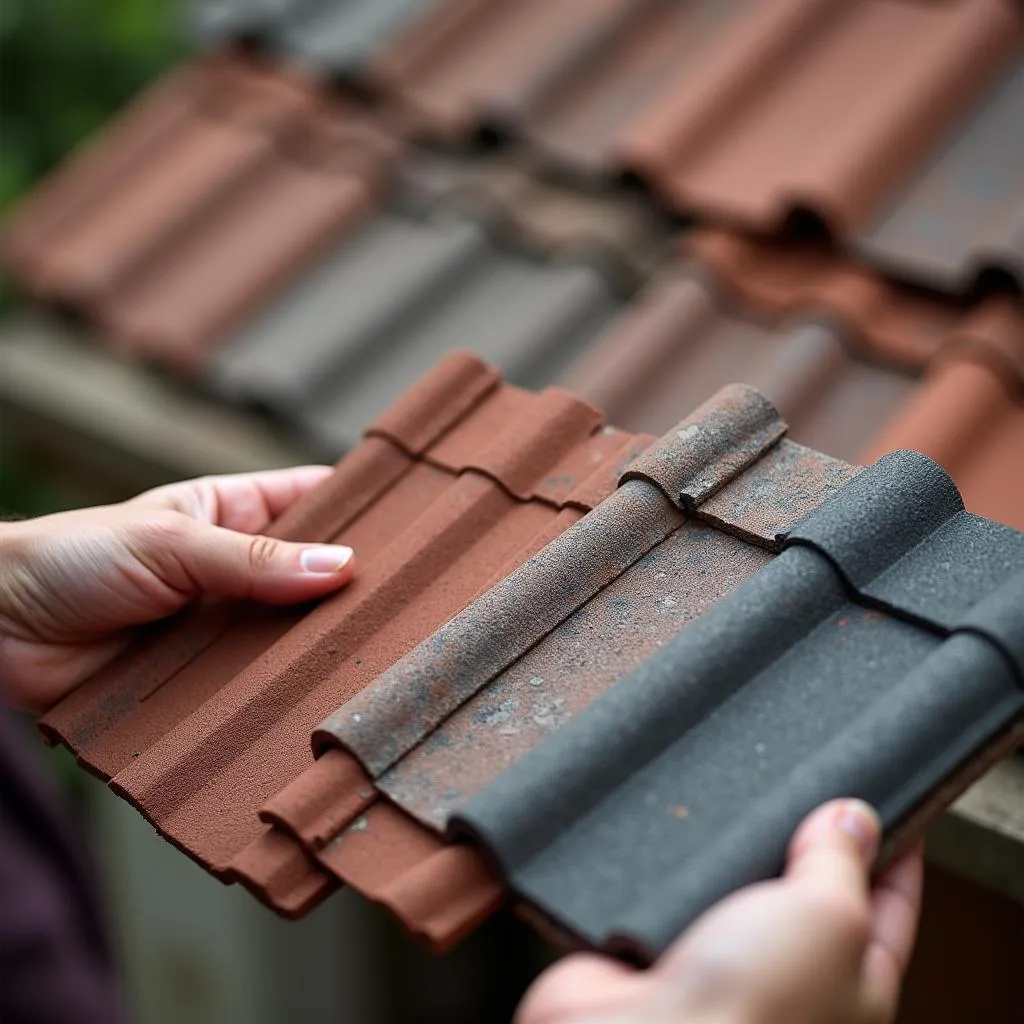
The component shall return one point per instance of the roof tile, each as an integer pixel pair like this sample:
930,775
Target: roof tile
220,183
202,722
791,690
389,301
717,104
962,217
336,36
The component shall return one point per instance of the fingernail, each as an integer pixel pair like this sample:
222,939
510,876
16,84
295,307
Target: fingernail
326,559
859,820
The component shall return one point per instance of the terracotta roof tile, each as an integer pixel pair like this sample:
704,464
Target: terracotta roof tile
203,721
968,412
722,106
218,184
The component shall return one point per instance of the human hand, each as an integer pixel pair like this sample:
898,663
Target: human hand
73,585
821,945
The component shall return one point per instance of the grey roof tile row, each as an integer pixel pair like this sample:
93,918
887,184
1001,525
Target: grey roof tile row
390,301
685,780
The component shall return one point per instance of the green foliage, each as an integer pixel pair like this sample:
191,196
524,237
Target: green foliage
65,67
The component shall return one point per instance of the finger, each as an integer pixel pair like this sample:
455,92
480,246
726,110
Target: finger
835,847
193,558
581,987
896,908
246,502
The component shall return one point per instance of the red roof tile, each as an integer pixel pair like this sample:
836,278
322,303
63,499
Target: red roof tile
743,110
205,720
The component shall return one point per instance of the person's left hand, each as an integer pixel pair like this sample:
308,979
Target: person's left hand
73,585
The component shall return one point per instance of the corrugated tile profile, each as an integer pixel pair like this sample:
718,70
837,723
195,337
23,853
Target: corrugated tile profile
539,646
217,184
203,721
880,655
405,287
339,37
743,110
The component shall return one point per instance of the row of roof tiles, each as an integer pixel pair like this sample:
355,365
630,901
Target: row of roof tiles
227,179
190,184
519,561
891,121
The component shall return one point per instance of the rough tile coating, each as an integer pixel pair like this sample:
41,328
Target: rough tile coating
685,780
542,644
205,721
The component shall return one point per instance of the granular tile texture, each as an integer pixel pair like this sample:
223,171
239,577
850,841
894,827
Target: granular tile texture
545,641
218,184
204,721
389,301
335,36
739,109
880,655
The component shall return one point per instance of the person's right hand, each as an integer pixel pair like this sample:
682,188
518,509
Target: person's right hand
821,945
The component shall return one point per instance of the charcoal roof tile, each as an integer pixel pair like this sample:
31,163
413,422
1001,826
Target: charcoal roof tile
962,217
762,709
720,105
389,301
203,721
218,184
336,36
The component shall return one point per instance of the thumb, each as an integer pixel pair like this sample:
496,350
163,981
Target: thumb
206,559
835,847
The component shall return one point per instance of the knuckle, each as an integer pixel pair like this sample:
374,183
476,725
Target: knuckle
262,554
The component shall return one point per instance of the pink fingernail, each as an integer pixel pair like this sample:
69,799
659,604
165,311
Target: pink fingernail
326,559
860,820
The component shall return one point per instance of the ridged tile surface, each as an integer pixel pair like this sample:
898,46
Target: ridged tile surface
962,217
746,111
389,301
205,720
840,669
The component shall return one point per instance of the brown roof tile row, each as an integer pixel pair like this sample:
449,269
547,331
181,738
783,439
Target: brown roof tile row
750,111
216,186
209,717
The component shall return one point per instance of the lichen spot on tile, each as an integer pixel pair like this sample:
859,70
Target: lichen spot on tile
687,434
